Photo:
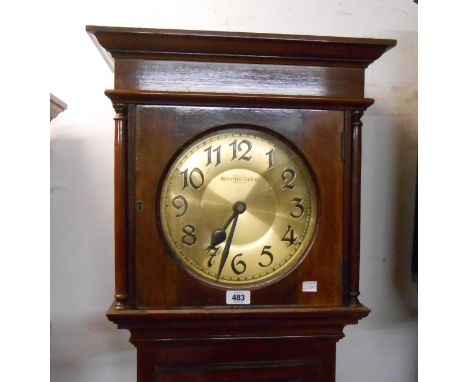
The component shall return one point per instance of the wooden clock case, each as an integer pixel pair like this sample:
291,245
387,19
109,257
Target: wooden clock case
170,88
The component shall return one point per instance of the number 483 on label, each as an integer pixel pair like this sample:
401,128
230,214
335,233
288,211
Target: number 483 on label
236,297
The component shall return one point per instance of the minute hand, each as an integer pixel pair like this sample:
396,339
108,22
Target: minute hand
225,253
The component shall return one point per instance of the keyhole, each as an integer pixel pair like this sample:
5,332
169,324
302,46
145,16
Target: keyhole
140,206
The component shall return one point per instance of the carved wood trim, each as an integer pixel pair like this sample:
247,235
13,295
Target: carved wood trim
120,206
224,323
210,46
236,100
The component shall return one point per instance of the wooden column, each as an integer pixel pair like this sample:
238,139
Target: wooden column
356,126
120,206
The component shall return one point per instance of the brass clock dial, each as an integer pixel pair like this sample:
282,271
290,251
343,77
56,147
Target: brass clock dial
238,208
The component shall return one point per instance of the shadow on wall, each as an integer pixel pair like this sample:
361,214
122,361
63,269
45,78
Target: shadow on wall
404,203
389,184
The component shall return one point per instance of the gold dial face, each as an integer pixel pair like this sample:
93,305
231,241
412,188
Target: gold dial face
238,208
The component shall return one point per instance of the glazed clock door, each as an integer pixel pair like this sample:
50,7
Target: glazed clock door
237,205
238,208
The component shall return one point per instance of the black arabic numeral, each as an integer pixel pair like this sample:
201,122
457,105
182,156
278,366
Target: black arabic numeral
249,147
214,252
268,254
289,236
189,238
288,176
218,155
298,204
238,267
192,179
270,159
180,203
236,148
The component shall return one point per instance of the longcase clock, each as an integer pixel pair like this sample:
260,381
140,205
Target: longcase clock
237,200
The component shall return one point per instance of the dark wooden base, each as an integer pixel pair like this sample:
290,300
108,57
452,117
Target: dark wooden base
265,359
290,344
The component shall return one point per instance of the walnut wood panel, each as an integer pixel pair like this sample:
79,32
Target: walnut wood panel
274,371
263,360
162,131
238,78
132,206
210,46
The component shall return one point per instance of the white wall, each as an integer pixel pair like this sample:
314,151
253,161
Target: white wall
84,345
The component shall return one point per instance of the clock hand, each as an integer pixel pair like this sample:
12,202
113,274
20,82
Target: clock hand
239,208
225,254
219,235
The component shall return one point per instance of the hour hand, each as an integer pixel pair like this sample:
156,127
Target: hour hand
219,235
217,238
